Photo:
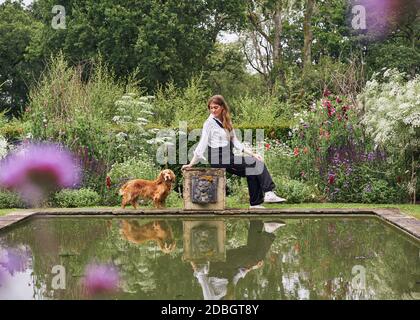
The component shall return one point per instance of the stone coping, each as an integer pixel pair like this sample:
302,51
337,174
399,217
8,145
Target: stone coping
409,225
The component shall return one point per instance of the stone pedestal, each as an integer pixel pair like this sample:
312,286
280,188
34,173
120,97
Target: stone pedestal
204,189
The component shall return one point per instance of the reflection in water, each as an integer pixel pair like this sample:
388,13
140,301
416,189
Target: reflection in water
230,258
219,279
159,231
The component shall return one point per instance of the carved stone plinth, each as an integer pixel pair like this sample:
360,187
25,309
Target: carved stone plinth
204,189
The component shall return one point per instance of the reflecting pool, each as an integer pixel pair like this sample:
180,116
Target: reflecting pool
208,258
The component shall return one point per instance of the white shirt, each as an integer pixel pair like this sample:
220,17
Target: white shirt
213,288
214,136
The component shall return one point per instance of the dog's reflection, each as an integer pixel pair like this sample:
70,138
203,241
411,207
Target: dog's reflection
159,231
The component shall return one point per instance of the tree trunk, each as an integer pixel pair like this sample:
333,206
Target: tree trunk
308,35
277,72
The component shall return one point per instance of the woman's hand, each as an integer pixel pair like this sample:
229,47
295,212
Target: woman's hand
186,166
258,157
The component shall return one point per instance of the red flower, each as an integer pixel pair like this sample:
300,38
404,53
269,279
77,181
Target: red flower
326,103
296,151
331,178
267,146
326,93
108,182
338,100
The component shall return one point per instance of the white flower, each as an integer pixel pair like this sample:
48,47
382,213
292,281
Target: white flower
121,136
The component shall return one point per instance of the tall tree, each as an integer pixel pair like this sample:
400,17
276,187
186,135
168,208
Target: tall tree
17,71
307,33
163,40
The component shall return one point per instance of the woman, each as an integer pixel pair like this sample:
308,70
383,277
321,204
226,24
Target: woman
217,137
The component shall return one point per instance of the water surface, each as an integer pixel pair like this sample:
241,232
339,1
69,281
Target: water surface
205,258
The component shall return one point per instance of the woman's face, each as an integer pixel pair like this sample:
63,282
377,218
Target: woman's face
215,110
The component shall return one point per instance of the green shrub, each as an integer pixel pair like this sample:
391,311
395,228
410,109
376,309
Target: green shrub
237,188
10,200
256,110
68,198
174,200
379,191
296,191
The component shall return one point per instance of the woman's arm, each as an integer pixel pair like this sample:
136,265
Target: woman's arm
240,146
201,147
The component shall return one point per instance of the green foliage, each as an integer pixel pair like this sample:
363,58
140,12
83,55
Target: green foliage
189,104
174,200
10,199
95,119
168,40
256,110
296,191
225,73
380,191
278,157
18,28
84,197
391,114
237,189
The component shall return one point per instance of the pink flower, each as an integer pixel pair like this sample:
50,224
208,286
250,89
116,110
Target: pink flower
326,103
38,168
338,100
14,260
101,279
296,151
326,93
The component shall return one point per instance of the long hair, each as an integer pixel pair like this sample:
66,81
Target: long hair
226,117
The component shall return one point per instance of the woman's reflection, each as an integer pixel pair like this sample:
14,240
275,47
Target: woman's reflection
219,279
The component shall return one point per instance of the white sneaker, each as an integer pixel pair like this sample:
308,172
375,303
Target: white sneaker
257,207
271,227
271,197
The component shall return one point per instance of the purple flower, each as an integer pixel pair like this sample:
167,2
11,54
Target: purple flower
101,278
368,188
38,168
14,260
370,156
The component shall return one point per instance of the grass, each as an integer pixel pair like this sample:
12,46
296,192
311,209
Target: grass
409,209
7,211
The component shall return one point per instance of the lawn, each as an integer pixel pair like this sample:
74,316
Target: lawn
409,209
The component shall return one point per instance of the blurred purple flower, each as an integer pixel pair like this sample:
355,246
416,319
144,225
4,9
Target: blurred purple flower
38,168
14,260
371,156
368,188
101,278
